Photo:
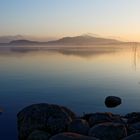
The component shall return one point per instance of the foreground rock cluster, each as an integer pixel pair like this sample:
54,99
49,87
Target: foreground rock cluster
53,122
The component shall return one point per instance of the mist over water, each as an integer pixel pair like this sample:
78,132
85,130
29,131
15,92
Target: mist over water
77,78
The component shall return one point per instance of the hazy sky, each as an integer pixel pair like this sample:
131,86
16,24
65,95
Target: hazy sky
57,18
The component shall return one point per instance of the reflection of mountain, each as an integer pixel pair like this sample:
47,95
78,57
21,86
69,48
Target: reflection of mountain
77,40
82,52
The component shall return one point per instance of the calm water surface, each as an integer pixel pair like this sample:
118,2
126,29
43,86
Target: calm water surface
78,79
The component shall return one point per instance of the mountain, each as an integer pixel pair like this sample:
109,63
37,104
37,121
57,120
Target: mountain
23,42
83,40
77,40
7,39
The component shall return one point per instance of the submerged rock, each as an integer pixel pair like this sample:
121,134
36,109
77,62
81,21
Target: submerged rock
1,111
108,131
112,101
39,135
79,126
71,136
51,118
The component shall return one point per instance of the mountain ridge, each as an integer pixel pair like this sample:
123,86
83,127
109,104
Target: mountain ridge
76,40
83,40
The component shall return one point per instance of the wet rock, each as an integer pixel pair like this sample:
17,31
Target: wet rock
133,117
71,136
70,113
133,137
125,120
108,131
130,130
79,126
96,118
135,127
1,110
112,101
39,135
51,118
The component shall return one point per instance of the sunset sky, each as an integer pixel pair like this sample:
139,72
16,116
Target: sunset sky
58,18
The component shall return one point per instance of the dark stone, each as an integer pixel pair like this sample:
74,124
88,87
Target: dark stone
79,126
96,118
70,113
112,101
39,135
51,118
71,136
133,117
131,130
136,125
133,137
108,131
1,111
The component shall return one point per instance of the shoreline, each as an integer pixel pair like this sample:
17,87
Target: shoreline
54,122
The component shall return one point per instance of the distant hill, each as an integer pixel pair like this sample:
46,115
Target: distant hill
7,39
83,40
77,40
23,42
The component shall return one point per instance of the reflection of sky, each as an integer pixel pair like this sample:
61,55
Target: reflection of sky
81,83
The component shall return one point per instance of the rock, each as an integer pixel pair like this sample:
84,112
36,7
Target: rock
79,126
51,118
130,130
39,135
96,118
1,111
135,128
70,113
136,125
125,120
133,137
133,117
108,131
112,101
71,136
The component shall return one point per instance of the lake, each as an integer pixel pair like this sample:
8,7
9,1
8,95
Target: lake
80,79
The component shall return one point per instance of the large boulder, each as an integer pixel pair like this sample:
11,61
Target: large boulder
133,137
71,136
112,101
46,117
96,118
79,126
108,131
39,135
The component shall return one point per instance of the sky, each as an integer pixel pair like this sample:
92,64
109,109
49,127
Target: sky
58,18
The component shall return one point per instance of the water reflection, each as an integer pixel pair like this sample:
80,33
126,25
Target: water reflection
84,51
135,52
77,78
